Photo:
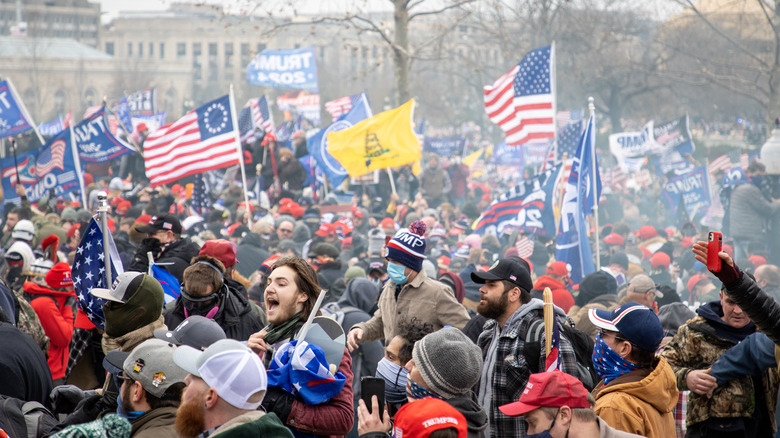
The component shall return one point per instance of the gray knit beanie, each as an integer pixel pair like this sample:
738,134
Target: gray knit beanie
448,361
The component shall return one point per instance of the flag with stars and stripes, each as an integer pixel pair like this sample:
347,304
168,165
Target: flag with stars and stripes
201,202
339,107
521,102
89,270
303,371
551,361
569,134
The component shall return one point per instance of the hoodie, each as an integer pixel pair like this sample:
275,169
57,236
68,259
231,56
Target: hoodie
250,254
55,311
476,418
561,296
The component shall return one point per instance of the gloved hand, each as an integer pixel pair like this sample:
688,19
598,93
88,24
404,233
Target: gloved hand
278,401
65,398
150,244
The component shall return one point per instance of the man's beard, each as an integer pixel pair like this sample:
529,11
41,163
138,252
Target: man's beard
125,390
493,309
190,419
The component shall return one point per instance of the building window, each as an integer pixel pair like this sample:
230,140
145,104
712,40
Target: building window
228,55
59,101
129,49
162,50
110,48
260,47
151,50
140,50
90,97
213,49
181,50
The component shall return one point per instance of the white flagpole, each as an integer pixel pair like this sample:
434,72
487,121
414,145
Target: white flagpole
103,215
553,90
24,110
77,161
592,110
240,154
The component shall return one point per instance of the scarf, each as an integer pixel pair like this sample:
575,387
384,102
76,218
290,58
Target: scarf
285,330
608,364
129,341
395,380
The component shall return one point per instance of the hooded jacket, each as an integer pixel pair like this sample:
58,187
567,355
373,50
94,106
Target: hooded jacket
641,401
250,254
580,314
697,345
235,315
476,418
561,296
54,310
155,423
357,304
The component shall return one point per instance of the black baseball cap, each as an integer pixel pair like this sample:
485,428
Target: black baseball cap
196,331
512,269
164,221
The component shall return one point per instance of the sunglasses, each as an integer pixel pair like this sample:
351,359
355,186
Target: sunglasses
604,333
119,379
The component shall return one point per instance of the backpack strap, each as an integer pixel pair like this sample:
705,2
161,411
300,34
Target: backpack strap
533,339
33,411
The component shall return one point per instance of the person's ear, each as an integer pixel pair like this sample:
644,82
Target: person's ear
137,394
624,350
211,398
565,414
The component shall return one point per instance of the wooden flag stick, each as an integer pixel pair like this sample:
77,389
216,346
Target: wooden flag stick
549,319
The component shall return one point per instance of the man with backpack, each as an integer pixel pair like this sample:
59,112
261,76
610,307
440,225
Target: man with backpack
505,299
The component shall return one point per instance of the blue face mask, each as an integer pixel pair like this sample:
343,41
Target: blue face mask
419,392
396,273
546,433
607,363
395,377
132,415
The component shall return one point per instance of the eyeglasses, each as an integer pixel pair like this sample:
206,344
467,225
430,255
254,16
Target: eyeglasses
119,379
604,333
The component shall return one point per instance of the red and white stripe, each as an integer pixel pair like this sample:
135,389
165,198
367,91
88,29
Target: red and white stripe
525,247
523,118
338,107
176,150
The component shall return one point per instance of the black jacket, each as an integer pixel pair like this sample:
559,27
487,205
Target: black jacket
331,278
24,373
761,308
250,254
179,253
235,316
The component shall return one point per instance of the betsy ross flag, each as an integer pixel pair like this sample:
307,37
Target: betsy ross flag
204,139
551,361
342,105
521,102
89,271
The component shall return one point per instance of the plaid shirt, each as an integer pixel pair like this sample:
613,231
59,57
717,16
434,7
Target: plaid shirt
511,371
679,413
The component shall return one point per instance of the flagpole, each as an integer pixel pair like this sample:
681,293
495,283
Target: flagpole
24,111
553,90
592,110
77,162
127,132
103,214
392,181
240,156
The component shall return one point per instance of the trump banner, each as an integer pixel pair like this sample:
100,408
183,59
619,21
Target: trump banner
444,147
14,118
526,207
53,166
95,142
294,69
694,189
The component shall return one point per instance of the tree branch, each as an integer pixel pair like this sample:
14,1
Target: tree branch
439,11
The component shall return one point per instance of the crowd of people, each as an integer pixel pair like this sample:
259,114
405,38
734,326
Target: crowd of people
650,344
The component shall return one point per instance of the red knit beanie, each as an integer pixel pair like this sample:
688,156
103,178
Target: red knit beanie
59,276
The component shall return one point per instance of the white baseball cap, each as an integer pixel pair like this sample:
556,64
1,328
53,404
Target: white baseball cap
228,366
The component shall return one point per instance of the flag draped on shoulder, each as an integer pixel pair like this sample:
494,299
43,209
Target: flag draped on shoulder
521,101
317,144
204,139
14,118
572,245
527,207
95,141
303,370
385,140
53,166
89,267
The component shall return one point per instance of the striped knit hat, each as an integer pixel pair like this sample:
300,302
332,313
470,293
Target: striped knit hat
407,247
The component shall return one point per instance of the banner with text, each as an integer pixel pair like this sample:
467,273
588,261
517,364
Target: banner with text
694,190
95,142
295,69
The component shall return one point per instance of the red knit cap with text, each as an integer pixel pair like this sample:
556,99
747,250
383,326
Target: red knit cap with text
59,276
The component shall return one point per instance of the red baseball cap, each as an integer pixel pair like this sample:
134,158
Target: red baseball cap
646,232
614,239
660,258
220,249
420,418
694,280
686,242
387,224
326,229
757,260
552,390
561,269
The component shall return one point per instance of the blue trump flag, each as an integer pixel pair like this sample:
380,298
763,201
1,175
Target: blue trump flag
572,245
506,155
317,144
122,110
444,147
89,267
694,189
296,69
14,118
169,283
52,128
95,142
53,166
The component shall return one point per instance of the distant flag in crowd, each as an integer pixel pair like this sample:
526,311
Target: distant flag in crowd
96,141
122,110
52,128
572,245
14,118
525,247
255,115
725,162
89,267
569,134
204,139
342,105
385,140
200,198
521,101
551,361
169,283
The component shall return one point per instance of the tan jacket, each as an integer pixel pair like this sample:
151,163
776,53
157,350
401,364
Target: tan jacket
423,298
641,401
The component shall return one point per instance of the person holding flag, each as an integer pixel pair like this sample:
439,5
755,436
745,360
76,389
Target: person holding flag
167,246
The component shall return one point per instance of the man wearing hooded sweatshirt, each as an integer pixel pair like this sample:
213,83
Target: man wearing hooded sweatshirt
506,302
54,303
597,291
744,406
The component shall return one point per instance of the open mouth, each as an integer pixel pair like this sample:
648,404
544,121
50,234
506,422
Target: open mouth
271,304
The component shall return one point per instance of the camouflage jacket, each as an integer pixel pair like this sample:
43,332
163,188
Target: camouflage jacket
695,347
28,322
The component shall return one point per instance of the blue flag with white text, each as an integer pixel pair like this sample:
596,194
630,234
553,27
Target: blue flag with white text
96,143
317,144
14,119
572,245
52,128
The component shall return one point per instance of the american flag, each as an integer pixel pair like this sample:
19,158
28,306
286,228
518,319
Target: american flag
204,139
728,160
246,127
525,247
342,105
89,269
521,101
569,137
50,158
200,198
551,361
255,114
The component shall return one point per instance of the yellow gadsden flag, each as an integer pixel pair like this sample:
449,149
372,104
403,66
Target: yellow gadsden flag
385,140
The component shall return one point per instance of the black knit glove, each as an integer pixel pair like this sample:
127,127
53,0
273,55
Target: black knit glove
278,401
728,275
65,398
150,244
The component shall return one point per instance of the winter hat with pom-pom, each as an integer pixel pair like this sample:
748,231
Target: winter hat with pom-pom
407,247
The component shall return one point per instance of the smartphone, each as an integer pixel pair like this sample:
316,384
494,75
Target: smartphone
370,386
714,246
